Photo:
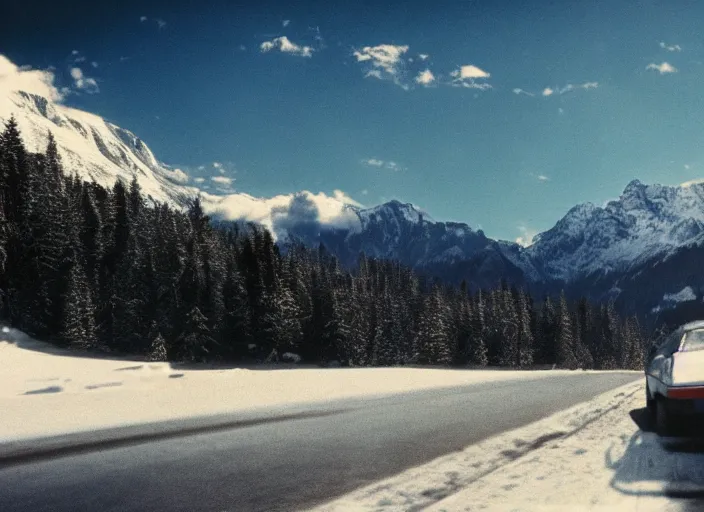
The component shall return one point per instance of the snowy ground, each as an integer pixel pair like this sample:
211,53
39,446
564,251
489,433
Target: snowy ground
600,455
47,391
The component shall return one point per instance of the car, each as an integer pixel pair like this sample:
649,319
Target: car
674,374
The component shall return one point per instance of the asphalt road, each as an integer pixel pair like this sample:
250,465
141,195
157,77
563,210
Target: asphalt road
292,464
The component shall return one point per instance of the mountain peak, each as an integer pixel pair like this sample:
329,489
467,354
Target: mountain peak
634,189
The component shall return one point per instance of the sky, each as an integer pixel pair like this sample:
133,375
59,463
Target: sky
501,114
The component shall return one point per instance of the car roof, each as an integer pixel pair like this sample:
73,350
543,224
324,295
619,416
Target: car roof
699,324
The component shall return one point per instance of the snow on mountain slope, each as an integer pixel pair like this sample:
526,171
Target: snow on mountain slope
450,250
99,150
647,224
647,221
92,147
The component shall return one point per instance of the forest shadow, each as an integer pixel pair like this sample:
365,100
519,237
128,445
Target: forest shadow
26,342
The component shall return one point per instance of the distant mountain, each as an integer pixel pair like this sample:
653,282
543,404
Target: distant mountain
646,222
449,250
642,250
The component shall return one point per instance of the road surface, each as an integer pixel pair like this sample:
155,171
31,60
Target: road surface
294,464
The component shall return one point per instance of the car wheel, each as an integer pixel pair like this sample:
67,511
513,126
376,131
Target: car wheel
663,418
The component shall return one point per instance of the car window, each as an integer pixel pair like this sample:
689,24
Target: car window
693,340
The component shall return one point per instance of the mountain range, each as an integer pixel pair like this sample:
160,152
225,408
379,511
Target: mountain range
644,250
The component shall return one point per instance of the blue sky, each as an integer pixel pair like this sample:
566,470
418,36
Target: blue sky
507,115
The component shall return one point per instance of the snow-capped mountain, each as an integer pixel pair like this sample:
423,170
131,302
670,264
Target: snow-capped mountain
98,150
92,147
646,222
643,249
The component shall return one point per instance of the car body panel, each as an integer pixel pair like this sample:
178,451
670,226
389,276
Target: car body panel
688,368
676,377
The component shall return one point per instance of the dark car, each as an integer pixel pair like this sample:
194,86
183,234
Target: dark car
674,374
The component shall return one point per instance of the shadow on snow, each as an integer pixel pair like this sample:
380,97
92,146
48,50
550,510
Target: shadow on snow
650,465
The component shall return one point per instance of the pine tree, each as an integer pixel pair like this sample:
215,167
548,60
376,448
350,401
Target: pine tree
509,330
545,342
565,340
77,328
195,342
433,344
91,235
157,351
525,336
477,348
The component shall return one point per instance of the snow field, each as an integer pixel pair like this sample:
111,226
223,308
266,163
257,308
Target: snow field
47,391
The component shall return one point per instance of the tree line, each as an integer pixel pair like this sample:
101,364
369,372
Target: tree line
89,267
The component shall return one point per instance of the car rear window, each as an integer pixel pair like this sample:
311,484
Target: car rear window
693,340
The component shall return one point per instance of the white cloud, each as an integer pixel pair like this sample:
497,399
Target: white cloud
663,68
199,180
84,83
382,164
542,177
467,76
384,61
344,198
221,180
201,167
549,91
177,175
425,77
686,166
284,45
526,237
161,23
217,165
470,71
670,47
77,57
94,64
316,30
687,184
423,56
35,81
573,87
365,192
142,19
329,211
373,162
285,23
520,91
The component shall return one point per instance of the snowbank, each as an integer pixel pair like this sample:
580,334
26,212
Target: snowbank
47,391
591,457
